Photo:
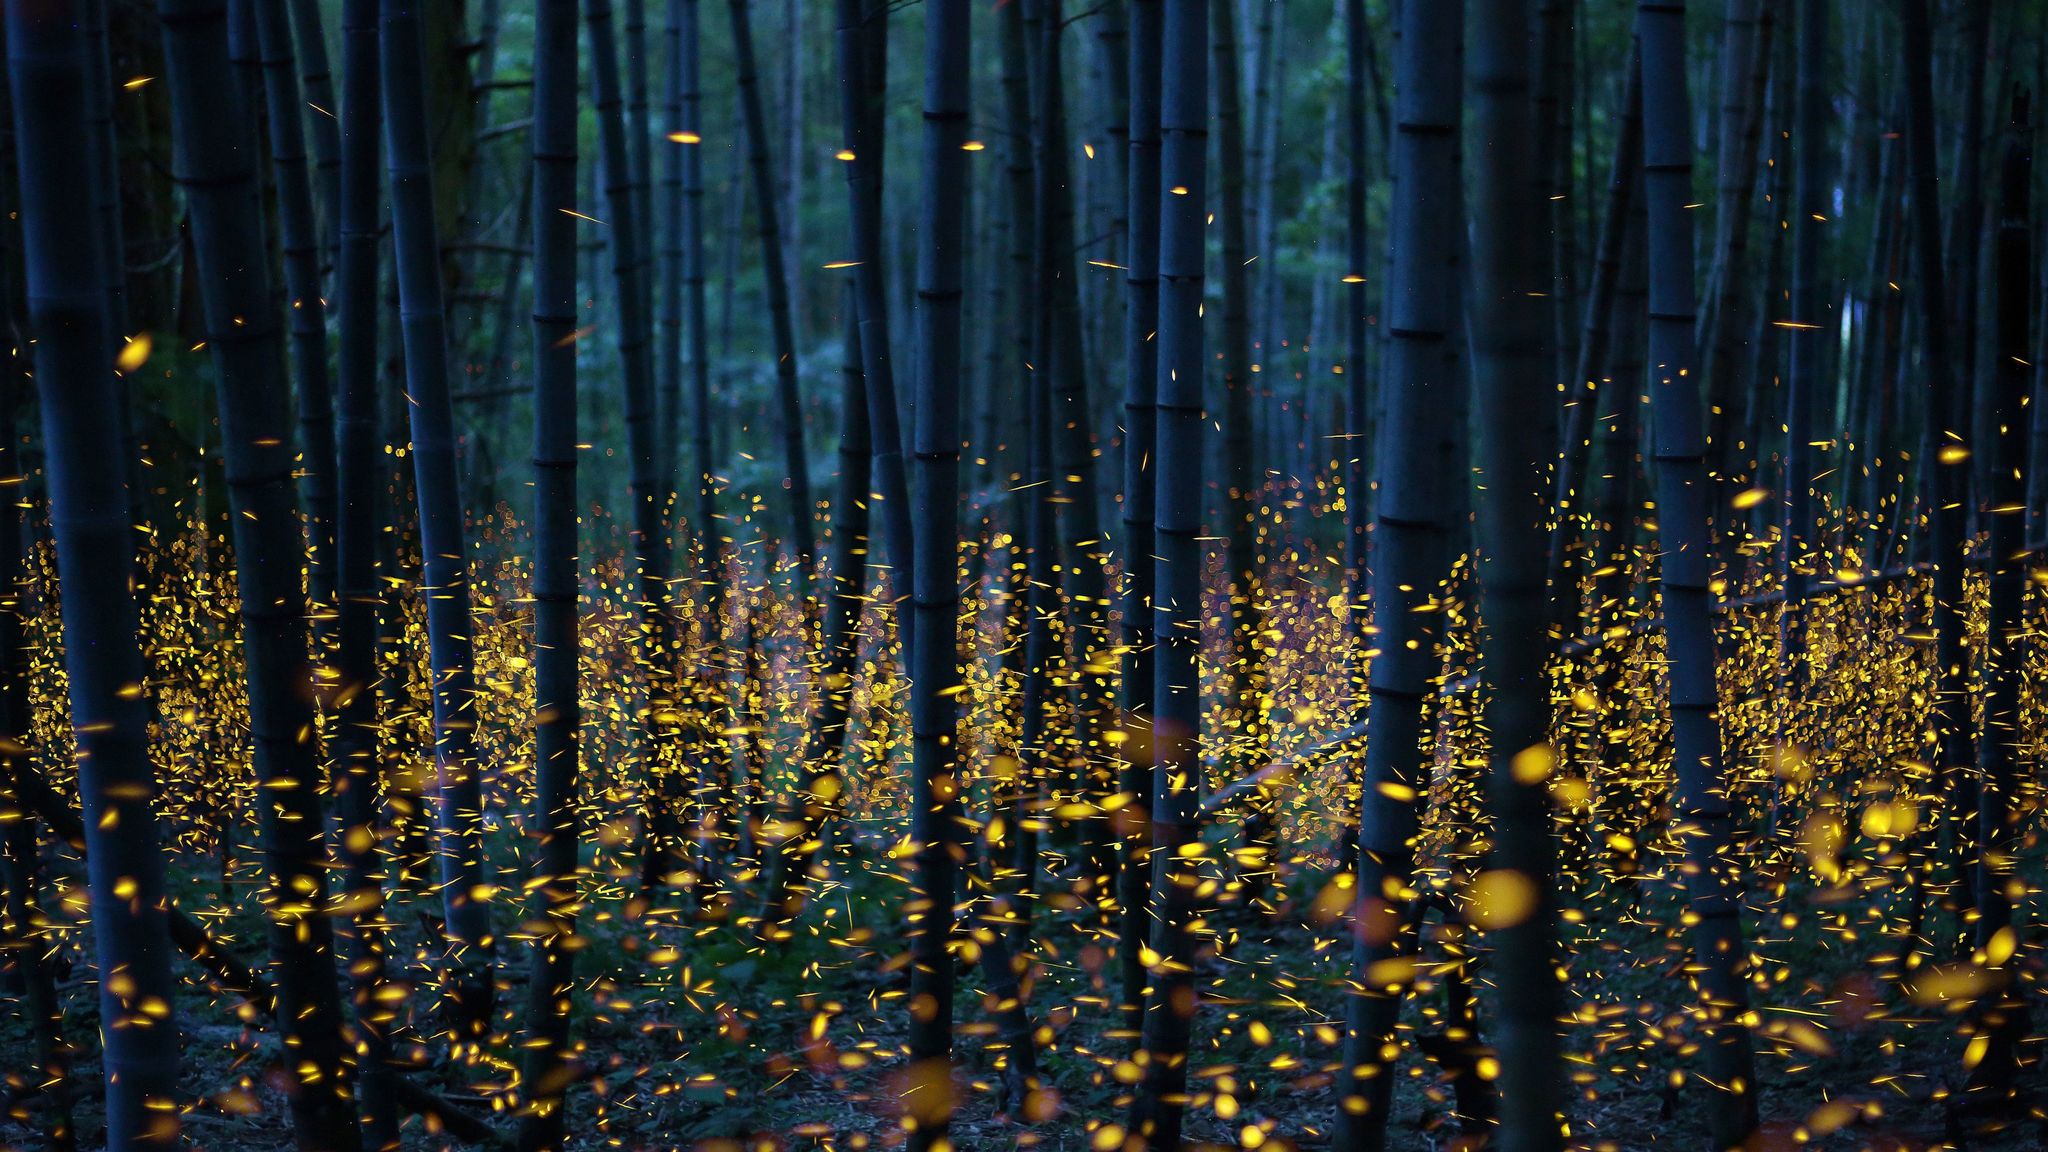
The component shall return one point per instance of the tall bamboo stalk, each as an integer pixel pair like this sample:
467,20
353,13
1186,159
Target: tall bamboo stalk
99,104
556,578
1241,499
1967,210
862,41
1725,324
1407,553
1269,97
1513,363
1809,326
647,483
708,540
935,672
1059,361
666,235
1700,809
360,515
1358,419
323,116
1157,1108
1583,389
1553,90
89,517
640,136
299,239
25,965
214,156
1943,450
823,783
775,271
1140,442
1355,439
465,894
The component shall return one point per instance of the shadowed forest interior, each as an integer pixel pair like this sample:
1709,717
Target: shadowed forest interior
830,575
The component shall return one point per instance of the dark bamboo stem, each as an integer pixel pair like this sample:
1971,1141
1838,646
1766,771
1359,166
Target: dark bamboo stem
89,517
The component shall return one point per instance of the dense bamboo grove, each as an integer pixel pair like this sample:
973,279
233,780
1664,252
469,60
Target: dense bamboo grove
1370,574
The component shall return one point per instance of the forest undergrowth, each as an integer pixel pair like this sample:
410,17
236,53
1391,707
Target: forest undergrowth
696,1033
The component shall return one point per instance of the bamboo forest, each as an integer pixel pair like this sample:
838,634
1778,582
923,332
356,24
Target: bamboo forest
1110,575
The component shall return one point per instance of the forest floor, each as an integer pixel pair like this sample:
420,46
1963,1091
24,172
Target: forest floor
701,1039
